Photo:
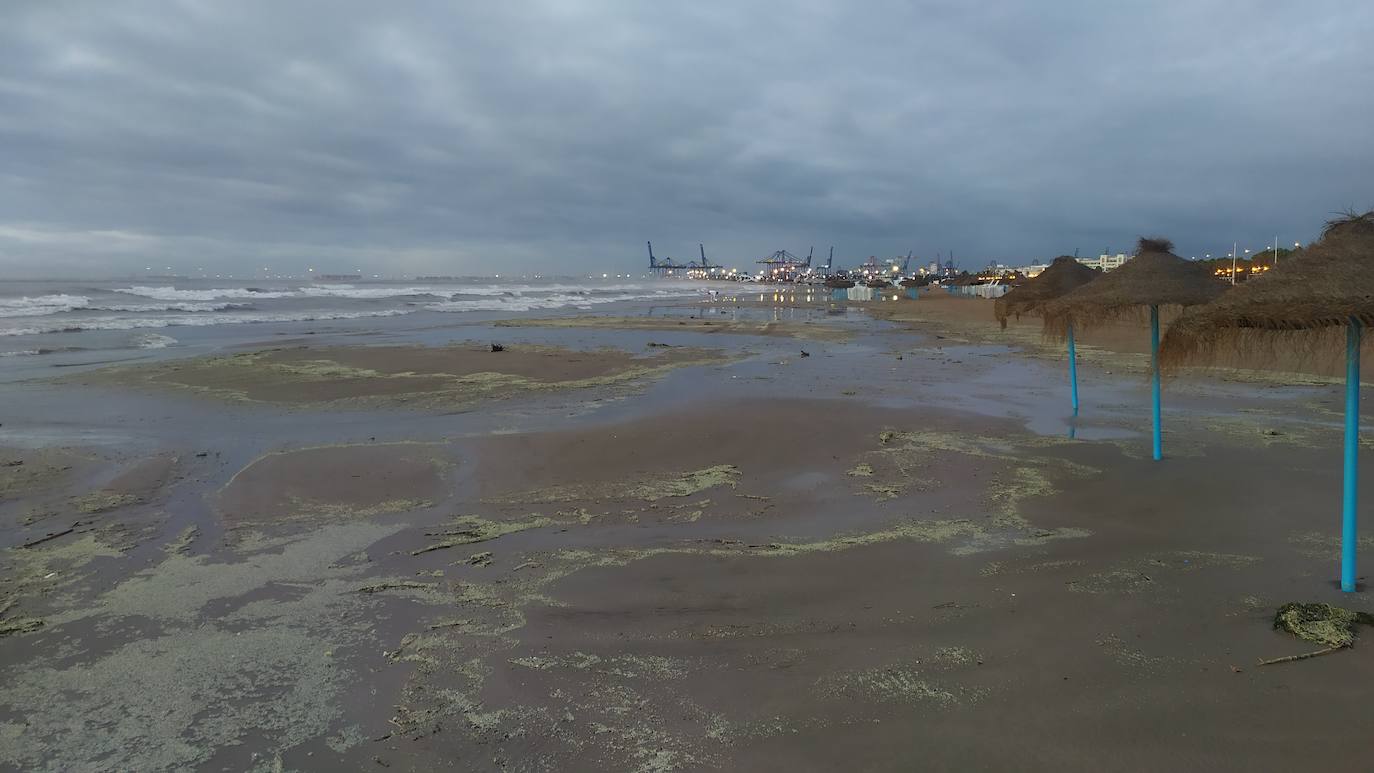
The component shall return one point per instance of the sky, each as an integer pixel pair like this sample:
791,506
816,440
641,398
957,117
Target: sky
560,136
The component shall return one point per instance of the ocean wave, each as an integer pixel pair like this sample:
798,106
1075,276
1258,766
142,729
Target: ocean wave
451,292
40,305
531,303
349,291
307,291
173,294
135,323
168,306
146,308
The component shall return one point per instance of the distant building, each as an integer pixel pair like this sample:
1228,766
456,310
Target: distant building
995,269
1106,262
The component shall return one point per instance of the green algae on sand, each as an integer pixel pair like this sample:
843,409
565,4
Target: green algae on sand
104,501
167,702
230,658
51,575
1319,623
929,679
649,488
26,471
470,529
903,458
400,376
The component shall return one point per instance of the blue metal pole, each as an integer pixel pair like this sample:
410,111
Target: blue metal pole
1073,371
1154,379
1349,520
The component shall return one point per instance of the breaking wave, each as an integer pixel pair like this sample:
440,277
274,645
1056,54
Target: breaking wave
41,305
134,323
146,308
308,291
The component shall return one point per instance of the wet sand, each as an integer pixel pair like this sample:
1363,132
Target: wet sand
741,563
693,323
368,376
347,481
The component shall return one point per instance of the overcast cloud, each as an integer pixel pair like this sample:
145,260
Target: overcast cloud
480,137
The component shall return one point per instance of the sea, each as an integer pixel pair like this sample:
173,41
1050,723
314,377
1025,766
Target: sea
53,317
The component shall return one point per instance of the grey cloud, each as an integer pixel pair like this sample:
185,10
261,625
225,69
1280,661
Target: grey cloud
481,137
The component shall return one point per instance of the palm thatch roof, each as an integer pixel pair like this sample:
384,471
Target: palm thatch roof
1305,302
1063,275
1154,277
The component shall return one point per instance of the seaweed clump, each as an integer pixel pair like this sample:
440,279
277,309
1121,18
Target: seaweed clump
1321,623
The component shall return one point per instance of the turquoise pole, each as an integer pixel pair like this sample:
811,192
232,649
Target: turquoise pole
1073,372
1349,518
1154,379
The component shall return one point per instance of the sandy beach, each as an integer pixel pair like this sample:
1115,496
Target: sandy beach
755,531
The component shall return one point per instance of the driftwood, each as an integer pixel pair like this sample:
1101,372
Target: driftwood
52,536
1303,656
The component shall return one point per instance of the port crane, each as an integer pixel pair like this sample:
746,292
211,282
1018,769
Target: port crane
668,265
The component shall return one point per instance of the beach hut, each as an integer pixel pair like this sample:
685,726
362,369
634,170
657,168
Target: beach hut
1309,304
1154,277
1062,276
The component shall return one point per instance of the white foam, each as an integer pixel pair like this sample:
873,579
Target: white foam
145,308
169,306
153,341
134,323
173,294
308,291
41,305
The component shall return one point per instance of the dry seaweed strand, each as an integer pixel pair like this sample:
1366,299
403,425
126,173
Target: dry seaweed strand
1301,307
1154,277
1318,623
1062,276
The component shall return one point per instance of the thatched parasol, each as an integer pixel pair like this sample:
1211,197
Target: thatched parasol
1302,304
1062,276
1308,299
1154,277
